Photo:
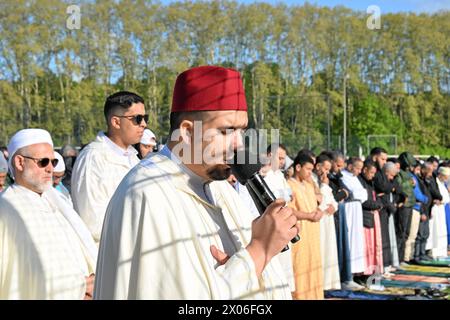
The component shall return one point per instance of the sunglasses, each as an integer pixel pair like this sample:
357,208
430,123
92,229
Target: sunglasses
137,119
43,162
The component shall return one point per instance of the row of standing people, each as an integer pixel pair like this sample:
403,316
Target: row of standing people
359,219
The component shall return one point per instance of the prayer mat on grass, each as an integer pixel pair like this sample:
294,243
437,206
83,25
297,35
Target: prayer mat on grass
423,273
360,295
419,278
411,284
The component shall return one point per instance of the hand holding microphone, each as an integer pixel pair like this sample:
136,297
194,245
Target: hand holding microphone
247,174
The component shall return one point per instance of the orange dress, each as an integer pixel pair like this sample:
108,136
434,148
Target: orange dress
306,254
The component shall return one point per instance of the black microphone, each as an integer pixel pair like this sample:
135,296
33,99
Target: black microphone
248,175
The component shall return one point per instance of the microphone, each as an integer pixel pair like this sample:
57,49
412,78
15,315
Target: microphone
248,175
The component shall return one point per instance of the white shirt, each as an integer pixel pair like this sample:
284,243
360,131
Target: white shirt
42,253
96,174
156,240
278,185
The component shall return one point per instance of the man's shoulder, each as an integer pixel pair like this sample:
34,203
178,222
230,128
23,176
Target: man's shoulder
8,205
150,173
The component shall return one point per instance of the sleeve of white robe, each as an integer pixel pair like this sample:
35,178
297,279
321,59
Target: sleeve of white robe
89,193
147,252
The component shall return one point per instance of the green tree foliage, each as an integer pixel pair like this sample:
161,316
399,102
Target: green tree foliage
293,60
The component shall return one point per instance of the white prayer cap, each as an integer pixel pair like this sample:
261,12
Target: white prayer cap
60,167
445,171
3,163
25,138
148,138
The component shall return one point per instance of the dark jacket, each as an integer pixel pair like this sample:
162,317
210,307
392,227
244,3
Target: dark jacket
371,204
384,188
337,186
433,193
426,207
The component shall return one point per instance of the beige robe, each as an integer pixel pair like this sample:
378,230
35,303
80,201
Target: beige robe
306,253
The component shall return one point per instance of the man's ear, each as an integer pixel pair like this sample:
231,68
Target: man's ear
298,167
114,122
186,131
18,163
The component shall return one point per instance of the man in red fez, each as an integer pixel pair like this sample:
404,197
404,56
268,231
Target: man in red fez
175,228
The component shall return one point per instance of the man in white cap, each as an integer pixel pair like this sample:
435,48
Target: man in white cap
147,144
59,173
46,252
102,164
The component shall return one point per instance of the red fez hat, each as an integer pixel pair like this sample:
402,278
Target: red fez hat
208,88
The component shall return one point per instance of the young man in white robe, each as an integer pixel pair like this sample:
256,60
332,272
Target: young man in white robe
46,251
103,163
175,228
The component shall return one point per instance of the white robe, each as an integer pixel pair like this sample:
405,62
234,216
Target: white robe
354,186
328,241
278,185
96,174
45,249
354,216
156,241
437,241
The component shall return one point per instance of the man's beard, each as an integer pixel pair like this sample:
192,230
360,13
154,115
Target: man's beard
219,172
35,183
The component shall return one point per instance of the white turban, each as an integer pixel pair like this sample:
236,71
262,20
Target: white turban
3,163
60,167
25,138
445,171
148,138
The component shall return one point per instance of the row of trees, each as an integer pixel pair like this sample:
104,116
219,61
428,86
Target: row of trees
294,60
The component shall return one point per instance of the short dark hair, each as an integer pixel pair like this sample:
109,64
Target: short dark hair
177,117
377,151
121,99
334,155
369,163
322,158
302,159
433,159
275,146
307,152
353,160
393,159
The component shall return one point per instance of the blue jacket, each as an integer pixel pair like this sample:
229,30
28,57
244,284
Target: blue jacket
420,197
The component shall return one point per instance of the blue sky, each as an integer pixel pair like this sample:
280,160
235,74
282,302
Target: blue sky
386,6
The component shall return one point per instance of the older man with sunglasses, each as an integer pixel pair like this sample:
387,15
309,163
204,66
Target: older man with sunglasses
46,251
101,165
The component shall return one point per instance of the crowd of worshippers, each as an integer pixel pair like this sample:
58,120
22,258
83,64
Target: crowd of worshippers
356,218
363,218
